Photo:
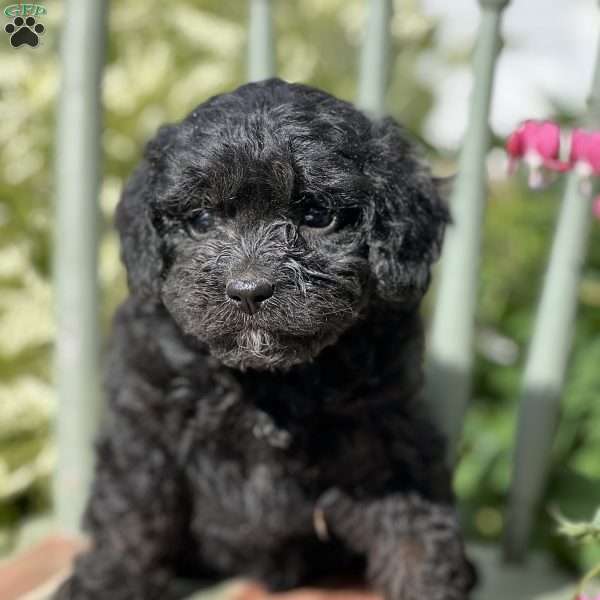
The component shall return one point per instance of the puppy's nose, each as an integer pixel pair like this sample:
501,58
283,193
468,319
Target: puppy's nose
249,293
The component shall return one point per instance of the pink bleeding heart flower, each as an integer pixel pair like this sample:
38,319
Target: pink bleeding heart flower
585,152
585,159
596,212
537,145
586,597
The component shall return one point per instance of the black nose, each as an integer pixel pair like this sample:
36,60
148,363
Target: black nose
249,293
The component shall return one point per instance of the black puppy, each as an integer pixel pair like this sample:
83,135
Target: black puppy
264,385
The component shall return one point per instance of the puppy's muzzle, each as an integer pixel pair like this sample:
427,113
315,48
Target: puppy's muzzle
249,293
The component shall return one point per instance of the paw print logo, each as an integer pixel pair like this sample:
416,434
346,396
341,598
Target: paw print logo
24,31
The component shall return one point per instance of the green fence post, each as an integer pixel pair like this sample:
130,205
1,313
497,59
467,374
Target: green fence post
548,354
375,57
78,154
450,355
261,54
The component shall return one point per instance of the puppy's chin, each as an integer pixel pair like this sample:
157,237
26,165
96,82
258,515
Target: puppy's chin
265,351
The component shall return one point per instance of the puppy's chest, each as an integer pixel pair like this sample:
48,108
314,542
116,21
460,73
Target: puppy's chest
255,473
258,478
316,450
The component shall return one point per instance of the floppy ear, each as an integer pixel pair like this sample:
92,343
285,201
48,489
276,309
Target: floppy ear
140,243
408,215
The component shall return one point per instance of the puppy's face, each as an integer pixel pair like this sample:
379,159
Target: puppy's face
270,219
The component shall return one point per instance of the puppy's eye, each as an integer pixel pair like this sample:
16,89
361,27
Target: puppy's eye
318,217
199,222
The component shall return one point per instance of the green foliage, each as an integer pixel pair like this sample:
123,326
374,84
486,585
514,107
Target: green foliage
580,531
160,64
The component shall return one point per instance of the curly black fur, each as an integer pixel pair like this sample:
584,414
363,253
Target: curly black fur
230,434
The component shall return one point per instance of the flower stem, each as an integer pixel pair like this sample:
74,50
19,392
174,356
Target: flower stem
586,579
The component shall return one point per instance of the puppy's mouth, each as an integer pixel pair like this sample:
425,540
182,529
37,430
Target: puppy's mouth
262,349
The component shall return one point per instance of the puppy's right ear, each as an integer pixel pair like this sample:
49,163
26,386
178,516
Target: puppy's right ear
408,216
141,250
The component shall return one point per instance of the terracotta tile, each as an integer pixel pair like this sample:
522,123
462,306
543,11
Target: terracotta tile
254,591
42,566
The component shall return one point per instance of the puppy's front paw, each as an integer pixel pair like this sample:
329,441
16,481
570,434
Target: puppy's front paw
432,567
420,553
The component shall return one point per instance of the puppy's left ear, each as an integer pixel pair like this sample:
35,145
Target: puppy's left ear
407,216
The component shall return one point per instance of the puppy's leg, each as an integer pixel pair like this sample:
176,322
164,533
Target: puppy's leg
134,518
413,547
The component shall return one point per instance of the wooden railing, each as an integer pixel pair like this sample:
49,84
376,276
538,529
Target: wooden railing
450,357
78,167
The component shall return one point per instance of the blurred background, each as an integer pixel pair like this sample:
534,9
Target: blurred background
163,59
